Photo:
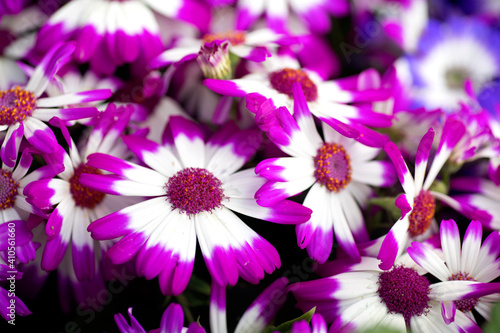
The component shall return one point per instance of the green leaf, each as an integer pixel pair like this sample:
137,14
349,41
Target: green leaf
494,325
439,186
287,326
379,329
387,203
198,285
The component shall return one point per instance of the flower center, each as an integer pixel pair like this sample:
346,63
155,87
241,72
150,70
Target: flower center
284,79
422,213
455,78
235,37
194,190
8,190
468,304
16,104
82,195
332,167
404,291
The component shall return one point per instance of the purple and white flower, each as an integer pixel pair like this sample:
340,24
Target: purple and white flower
450,53
77,206
112,33
363,296
13,205
463,261
339,170
417,203
193,187
23,111
331,101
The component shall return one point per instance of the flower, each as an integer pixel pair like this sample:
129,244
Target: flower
439,74
417,203
171,322
339,170
474,262
192,187
23,111
76,205
14,207
133,37
363,296
327,100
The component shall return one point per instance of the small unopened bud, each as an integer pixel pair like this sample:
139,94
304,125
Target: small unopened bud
214,60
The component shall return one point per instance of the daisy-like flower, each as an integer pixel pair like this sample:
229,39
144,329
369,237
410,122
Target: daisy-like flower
417,203
469,261
313,13
257,316
193,187
450,53
328,100
171,322
76,205
362,296
339,170
13,205
111,33
23,110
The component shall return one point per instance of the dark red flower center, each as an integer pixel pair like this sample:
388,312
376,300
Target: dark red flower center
234,37
16,104
404,291
468,304
82,195
332,167
422,213
8,190
194,190
284,79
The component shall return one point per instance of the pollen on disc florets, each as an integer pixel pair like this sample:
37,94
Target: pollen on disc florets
422,213
234,37
284,79
468,304
82,195
15,105
8,190
404,291
194,190
332,167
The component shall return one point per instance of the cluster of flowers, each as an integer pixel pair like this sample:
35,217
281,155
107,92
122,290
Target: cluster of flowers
134,130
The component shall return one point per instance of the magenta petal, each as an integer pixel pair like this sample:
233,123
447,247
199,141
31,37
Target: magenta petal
172,319
126,248
224,87
43,140
10,146
388,251
289,212
222,266
53,253
110,226
174,276
83,262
